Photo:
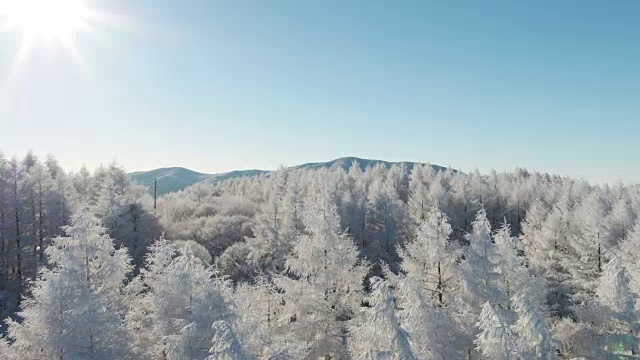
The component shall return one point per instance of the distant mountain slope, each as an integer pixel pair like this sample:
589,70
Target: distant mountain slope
236,174
177,178
345,163
169,179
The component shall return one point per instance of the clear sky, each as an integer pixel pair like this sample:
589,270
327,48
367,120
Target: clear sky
221,85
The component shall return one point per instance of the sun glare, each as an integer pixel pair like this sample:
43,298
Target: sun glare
49,23
46,19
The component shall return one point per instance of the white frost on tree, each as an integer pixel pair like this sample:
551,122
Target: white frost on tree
478,270
495,340
627,253
180,298
426,287
429,257
225,344
514,277
378,333
535,338
325,287
262,322
76,307
614,293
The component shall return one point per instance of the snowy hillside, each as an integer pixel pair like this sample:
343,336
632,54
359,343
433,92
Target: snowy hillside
177,178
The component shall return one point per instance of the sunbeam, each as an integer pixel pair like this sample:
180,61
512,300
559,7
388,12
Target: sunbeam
50,23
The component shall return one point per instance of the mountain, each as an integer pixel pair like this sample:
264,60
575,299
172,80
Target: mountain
169,179
346,162
177,178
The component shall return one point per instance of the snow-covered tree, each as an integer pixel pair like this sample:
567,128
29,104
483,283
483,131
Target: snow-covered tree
439,192
614,293
270,245
326,279
578,339
622,218
535,340
76,307
588,242
262,321
385,221
495,340
398,177
178,299
354,211
514,277
479,279
419,202
545,240
539,236
429,257
378,334
434,332
226,346
479,275
626,253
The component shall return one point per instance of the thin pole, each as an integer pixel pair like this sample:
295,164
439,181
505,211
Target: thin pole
155,195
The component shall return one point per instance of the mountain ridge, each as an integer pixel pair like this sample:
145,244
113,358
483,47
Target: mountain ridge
171,179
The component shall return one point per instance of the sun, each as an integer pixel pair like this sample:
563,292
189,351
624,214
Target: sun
50,23
46,19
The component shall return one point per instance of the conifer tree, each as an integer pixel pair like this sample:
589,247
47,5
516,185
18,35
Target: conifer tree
385,221
429,257
479,279
326,284
587,245
354,211
619,302
434,332
378,334
478,272
626,253
535,339
495,340
182,298
226,346
419,201
514,277
262,321
76,307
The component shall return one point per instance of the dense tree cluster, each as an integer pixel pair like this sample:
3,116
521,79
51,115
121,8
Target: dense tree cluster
37,200
377,263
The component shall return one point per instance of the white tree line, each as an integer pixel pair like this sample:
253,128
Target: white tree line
379,264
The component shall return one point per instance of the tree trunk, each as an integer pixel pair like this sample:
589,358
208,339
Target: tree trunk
2,229
364,230
440,285
64,205
40,222
18,245
599,255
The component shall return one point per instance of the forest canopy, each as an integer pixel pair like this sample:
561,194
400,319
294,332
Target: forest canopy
365,263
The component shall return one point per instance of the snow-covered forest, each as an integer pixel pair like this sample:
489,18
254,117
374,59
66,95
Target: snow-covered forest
376,263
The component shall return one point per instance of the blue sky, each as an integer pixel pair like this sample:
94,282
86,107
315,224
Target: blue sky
221,85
